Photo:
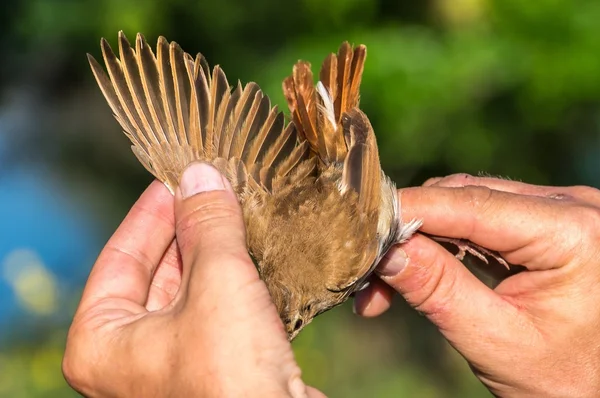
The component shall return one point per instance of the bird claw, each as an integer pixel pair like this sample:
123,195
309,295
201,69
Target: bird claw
465,246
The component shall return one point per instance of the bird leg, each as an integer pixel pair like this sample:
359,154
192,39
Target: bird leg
465,246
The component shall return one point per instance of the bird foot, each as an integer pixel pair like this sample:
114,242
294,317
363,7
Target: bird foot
465,246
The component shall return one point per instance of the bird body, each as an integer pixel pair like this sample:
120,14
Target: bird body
319,211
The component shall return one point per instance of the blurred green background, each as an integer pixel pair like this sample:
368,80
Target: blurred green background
507,87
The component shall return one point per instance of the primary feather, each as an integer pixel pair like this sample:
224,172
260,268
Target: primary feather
175,111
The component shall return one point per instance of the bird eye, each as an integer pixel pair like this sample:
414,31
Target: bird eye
298,324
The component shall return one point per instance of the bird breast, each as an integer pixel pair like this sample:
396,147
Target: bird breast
301,234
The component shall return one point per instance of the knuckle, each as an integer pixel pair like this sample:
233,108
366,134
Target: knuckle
207,214
461,179
454,180
429,287
432,181
156,212
579,235
437,295
139,257
205,219
587,220
583,192
480,200
478,196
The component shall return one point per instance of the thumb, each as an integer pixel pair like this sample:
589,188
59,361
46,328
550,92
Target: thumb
468,313
210,229
223,288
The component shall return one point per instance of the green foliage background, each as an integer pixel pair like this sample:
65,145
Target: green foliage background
507,87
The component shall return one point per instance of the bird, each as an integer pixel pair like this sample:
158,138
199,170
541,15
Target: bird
319,211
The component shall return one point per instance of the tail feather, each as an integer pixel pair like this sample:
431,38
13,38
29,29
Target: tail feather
318,117
356,72
337,131
344,68
328,75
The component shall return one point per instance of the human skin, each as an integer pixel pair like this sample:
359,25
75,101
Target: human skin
190,318
537,334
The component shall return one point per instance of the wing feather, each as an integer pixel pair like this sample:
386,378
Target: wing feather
176,111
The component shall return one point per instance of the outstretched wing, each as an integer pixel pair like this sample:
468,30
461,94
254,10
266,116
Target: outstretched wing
176,111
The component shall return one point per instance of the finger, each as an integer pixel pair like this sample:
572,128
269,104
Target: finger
125,266
468,313
373,300
526,230
314,393
432,181
210,231
166,280
586,194
297,389
463,180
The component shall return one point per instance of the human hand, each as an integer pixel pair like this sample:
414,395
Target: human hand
536,334
180,318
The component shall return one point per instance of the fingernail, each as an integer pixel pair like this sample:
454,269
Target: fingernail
361,303
393,263
200,177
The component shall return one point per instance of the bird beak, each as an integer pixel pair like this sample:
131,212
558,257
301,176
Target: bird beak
292,333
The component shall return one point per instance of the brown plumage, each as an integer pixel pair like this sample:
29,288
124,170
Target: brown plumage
319,211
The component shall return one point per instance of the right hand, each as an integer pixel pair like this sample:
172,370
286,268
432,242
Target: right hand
537,334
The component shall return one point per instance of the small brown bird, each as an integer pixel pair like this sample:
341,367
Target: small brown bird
319,211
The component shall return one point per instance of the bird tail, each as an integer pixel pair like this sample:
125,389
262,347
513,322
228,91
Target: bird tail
175,111
328,116
317,111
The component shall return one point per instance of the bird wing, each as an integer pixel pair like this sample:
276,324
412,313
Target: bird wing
361,174
175,111
362,169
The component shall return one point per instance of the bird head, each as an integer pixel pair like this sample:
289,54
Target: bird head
298,304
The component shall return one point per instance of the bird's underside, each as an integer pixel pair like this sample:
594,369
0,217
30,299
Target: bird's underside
175,110
318,209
